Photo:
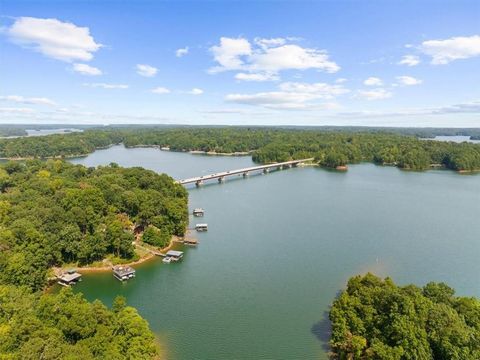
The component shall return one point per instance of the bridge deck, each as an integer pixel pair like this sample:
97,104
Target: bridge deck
239,171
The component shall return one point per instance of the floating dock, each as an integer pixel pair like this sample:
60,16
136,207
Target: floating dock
70,277
201,227
198,212
123,273
173,255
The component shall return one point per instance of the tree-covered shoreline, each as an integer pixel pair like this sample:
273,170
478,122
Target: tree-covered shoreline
66,326
330,148
376,319
54,213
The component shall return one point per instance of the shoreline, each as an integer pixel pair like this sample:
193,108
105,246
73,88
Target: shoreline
147,257
213,153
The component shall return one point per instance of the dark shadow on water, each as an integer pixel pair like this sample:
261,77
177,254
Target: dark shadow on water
322,331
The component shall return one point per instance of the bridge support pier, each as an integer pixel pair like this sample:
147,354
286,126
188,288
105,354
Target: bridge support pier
198,183
266,170
221,179
245,174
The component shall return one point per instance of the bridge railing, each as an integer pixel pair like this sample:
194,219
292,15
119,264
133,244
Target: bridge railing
244,171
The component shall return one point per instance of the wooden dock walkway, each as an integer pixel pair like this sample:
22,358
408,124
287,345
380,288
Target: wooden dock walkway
245,171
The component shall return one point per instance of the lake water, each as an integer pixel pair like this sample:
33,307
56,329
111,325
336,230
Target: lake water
280,247
454,138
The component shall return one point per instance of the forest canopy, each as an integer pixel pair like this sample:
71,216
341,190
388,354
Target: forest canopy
54,213
330,147
66,326
376,319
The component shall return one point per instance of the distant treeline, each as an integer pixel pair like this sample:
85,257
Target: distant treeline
376,319
330,147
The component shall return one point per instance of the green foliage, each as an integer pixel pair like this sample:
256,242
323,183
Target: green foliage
66,326
54,212
155,237
330,146
375,319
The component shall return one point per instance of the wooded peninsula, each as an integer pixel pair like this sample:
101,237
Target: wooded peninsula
54,213
376,319
329,147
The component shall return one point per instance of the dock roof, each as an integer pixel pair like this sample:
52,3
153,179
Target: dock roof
175,253
69,277
123,270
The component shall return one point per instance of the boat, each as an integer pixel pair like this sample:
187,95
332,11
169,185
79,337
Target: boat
167,260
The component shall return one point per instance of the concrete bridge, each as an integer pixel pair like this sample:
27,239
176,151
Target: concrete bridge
245,172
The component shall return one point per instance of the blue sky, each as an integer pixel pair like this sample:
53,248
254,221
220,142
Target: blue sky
381,63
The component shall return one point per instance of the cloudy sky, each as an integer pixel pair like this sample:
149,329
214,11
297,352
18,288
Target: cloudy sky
380,63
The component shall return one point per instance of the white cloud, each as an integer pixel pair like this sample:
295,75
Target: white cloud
292,56
291,95
445,51
375,94
28,100
228,54
85,69
146,70
408,80
195,91
160,90
10,110
53,38
373,81
106,86
256,77
266,43
269,56
409,60
341,80
182,52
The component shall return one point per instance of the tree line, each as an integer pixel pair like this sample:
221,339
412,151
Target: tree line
376,319
330,148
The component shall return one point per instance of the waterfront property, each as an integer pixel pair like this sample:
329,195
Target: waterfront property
201,227
123,273
69,277
198,212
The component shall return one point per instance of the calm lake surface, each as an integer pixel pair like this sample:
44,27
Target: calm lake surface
280,247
